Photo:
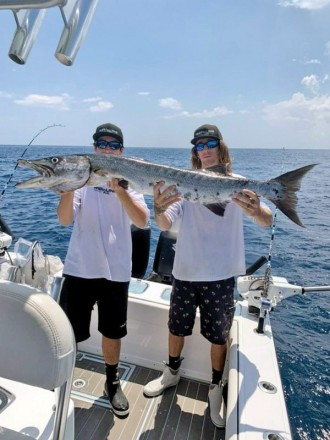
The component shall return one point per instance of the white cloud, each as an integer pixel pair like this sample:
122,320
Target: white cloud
97,98
101,106
304,4
4,95
299,108
312,83
60,102
306,61
170,103
327,48
314,61
205,114
175,105
143,93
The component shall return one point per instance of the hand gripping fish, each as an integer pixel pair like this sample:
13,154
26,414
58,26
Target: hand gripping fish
70,172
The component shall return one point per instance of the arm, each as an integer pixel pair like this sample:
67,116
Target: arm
162,200
250,203
65,209
134,210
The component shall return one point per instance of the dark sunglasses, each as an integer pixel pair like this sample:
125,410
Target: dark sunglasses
113,145
212,143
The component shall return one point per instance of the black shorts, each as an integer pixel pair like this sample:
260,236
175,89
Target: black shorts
78,297
215,300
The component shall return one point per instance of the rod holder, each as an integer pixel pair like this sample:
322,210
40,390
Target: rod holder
28,24
265,307
56,288
30,4
76,23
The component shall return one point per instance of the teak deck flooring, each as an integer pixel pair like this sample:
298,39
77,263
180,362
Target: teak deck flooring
180,413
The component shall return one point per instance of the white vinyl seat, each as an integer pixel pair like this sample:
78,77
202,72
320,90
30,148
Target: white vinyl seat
37,358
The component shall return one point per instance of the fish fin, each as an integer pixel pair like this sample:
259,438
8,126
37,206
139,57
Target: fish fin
217,208
221,169
291,182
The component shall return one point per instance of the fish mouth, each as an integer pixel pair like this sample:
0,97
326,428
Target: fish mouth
44,170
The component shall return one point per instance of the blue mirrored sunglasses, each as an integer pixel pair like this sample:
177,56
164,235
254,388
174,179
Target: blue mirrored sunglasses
113,145
212,143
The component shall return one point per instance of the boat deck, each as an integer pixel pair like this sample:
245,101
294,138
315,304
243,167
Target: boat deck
180,413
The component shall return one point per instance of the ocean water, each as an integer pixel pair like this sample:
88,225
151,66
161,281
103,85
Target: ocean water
301,324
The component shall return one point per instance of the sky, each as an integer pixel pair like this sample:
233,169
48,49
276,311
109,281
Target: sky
258,69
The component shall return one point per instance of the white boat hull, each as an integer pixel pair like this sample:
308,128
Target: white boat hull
256,407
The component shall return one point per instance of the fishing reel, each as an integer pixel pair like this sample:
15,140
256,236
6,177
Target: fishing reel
263,293
252,288
5,242
264,298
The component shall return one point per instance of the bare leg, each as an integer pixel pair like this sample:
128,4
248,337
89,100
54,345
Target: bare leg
111,350
175,344
218,356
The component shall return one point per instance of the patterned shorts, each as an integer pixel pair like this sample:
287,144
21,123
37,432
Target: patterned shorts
215,300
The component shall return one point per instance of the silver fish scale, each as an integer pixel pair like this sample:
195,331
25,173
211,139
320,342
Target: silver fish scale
67,173
198,186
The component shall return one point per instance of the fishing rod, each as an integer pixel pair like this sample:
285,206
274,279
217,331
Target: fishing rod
269,259
3,225
270,250
31,141
265,304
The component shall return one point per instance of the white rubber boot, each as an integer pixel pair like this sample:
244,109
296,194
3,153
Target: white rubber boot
168,379
217,405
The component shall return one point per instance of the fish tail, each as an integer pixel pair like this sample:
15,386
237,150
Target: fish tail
291,182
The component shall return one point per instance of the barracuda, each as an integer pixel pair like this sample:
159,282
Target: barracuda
70,172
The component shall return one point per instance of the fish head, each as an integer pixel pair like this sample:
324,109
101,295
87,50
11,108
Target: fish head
58,173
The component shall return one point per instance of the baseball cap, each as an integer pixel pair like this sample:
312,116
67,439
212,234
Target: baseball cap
108,130
207,131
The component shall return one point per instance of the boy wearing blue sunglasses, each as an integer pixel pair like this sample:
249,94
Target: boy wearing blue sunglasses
97,267
206,283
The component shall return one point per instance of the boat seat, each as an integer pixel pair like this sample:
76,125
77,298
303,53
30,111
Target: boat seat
37,359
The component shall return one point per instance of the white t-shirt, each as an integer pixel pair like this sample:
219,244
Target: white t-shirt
101,243
208,247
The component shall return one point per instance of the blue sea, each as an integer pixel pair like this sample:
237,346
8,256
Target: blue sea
301,324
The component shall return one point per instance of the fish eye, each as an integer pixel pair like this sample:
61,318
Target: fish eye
55,160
